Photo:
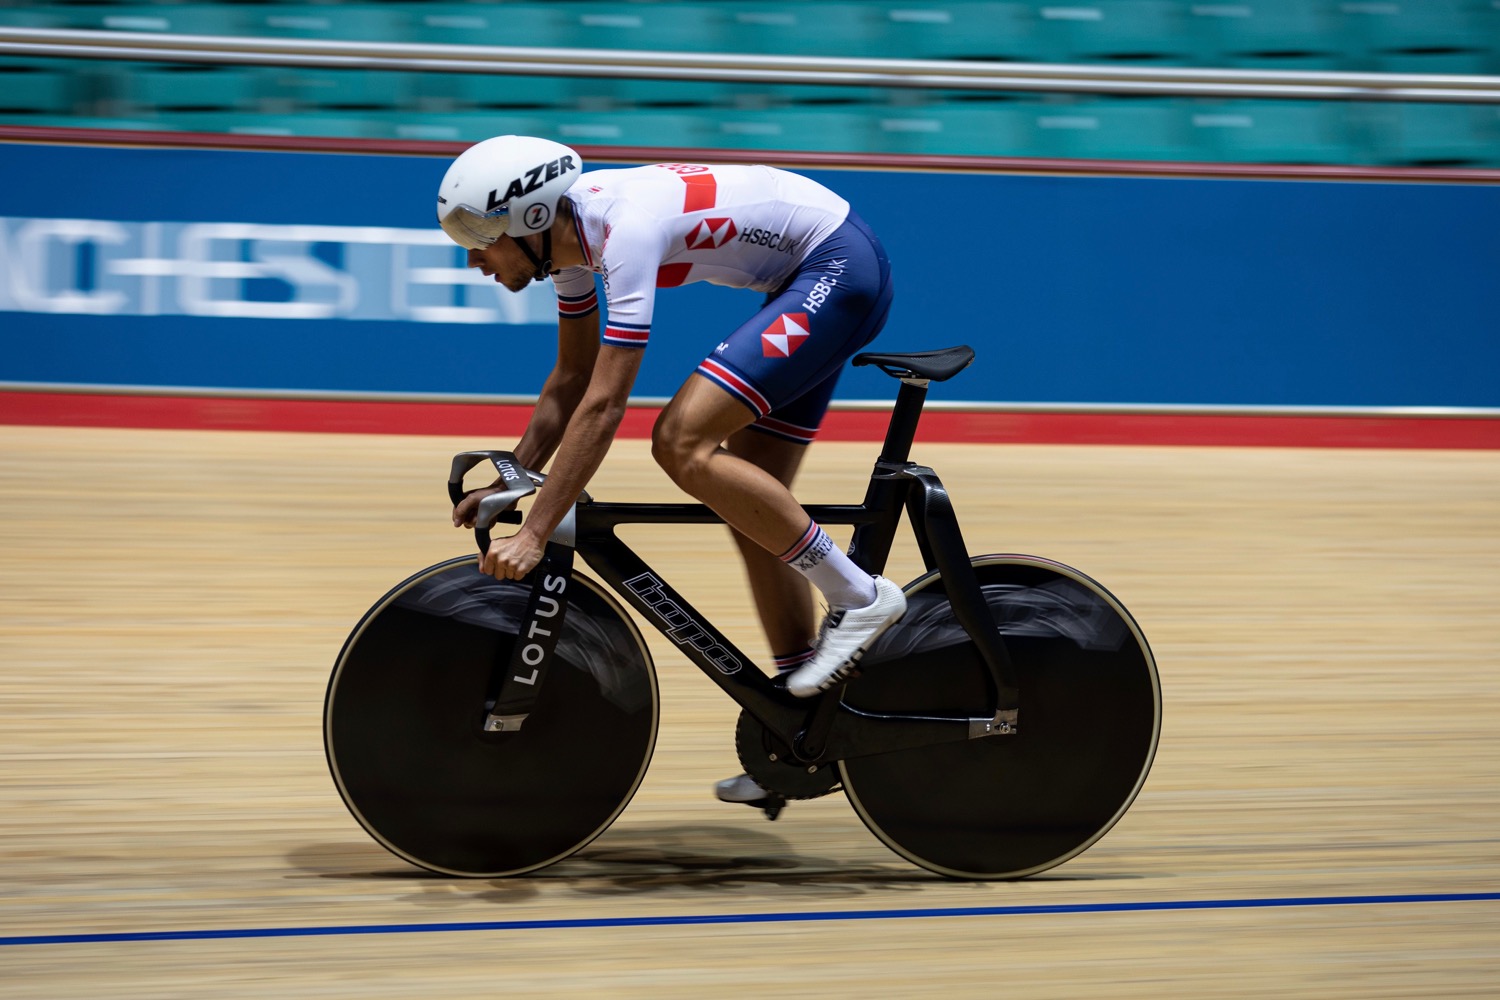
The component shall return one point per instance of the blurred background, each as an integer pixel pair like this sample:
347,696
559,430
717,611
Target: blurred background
1165,222
238,196
1281,36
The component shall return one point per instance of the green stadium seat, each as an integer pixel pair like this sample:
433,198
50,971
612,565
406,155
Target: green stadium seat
487,90
1428,36
1266,34
603,93
801,130
1106,129
332,22
805,29
1278,132
284,88
466,126
34,17
184,86
668,27
1146,32
241,123
1118,129
33,88
962,29
176,19
534,25
666,130
998,129
122,123
846,30
1459,135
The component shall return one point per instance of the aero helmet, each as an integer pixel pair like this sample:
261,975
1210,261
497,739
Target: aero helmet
506,186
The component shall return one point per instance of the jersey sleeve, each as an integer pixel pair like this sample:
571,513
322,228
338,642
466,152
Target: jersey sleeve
576,297
632,254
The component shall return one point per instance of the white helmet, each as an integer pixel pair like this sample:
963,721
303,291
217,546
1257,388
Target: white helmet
508,185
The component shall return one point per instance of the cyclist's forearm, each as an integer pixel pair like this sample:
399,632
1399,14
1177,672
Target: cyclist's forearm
583,447
577,351
554,408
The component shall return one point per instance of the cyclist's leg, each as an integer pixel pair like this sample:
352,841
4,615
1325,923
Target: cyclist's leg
687,444
777,443
797,343
782,597
794,346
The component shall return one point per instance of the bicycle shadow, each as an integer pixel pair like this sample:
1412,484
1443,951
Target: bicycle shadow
690,859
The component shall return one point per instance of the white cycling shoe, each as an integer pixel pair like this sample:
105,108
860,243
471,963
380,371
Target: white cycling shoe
741,788
845,637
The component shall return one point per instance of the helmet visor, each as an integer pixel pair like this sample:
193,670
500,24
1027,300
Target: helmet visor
476,230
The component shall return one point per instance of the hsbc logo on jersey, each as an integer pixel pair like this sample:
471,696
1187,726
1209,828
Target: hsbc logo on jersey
710,234
782,338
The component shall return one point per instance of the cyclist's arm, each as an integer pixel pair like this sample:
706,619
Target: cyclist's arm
577,349
583,447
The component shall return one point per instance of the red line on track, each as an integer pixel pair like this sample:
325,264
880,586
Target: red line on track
76,409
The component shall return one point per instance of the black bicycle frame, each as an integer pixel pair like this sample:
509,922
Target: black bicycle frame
824,728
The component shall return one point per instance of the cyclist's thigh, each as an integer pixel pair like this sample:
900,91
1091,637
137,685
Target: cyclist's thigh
799,341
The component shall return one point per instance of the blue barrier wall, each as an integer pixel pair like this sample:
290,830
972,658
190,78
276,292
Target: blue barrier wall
313,271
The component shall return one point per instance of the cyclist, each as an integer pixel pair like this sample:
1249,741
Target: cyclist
735,433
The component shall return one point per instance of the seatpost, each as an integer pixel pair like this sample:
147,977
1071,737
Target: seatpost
904,417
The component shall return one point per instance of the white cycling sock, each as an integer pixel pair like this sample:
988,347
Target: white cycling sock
844,585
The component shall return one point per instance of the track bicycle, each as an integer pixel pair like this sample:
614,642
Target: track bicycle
485,728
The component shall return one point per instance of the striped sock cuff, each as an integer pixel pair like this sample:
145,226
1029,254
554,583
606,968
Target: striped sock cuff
791,661
809,550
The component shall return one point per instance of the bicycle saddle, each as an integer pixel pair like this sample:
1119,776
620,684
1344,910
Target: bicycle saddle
939,365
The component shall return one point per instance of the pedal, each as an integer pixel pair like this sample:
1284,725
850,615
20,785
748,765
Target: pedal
771,805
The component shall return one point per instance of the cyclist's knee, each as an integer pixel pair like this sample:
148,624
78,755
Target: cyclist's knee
681,455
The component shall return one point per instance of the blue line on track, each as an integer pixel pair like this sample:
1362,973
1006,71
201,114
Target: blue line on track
750,918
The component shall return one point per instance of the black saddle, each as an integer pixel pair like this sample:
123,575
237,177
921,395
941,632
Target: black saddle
939,365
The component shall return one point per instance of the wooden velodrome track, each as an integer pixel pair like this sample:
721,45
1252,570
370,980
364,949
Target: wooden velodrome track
1321,821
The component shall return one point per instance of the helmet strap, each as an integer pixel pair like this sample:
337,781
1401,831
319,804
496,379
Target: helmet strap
542,264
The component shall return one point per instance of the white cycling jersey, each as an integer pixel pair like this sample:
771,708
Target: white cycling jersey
670,224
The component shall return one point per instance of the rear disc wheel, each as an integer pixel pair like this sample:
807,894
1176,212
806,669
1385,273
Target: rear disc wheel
1008,806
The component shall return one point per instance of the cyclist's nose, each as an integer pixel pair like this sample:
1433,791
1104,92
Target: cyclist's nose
475,258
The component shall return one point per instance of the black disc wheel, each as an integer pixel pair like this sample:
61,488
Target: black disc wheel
1007,806
403,724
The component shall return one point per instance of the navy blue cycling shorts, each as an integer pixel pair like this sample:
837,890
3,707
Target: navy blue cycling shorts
784,362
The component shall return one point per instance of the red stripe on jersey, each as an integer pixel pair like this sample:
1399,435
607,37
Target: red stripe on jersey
621,337
702,191
581,307
672,275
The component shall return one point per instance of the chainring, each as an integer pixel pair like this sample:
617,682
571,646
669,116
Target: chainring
770,762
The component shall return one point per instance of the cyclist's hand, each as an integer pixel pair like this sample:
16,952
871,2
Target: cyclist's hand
511,558
468,508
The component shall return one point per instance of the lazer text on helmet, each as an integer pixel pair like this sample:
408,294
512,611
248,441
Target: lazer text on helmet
533,179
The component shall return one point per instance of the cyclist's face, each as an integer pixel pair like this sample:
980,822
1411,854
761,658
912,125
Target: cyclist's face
503,261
